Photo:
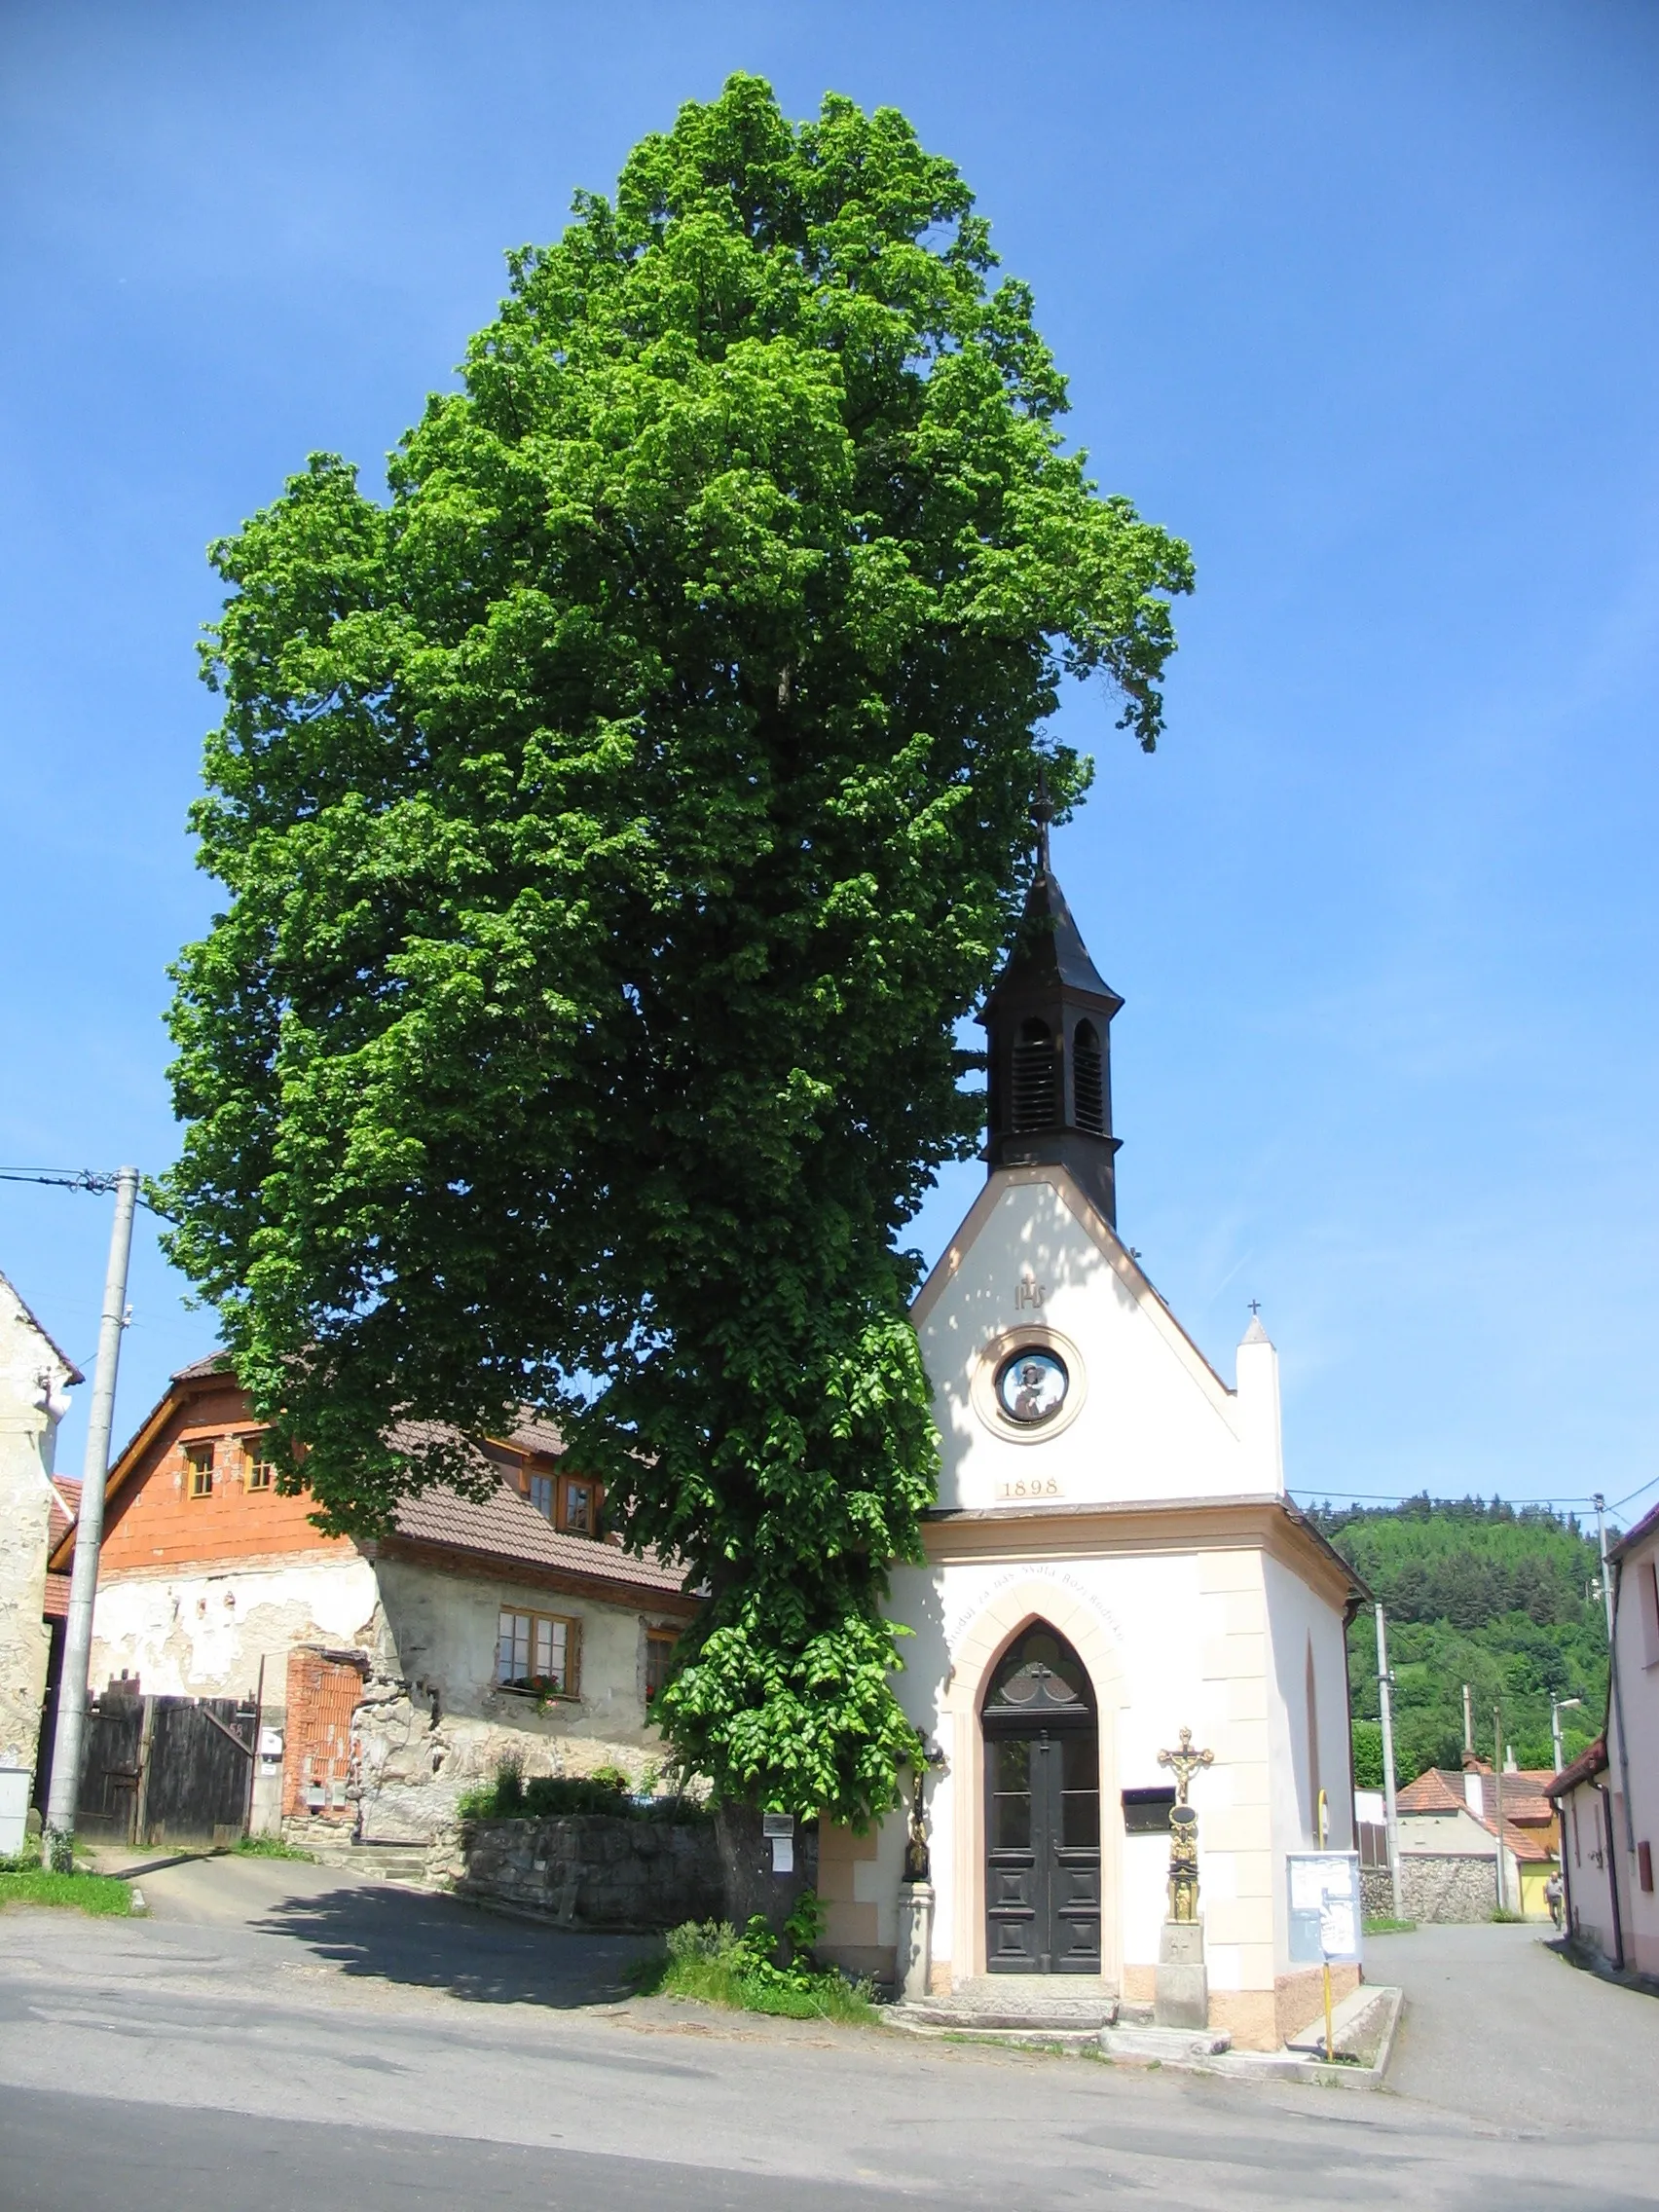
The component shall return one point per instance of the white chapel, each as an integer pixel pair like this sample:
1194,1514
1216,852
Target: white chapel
1112,1559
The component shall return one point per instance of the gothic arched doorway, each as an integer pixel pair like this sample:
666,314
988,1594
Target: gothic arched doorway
1042,1810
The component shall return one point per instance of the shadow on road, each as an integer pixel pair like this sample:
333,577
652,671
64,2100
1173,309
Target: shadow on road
434,1942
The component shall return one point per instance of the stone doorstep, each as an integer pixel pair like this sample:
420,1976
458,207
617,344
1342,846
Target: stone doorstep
1036,2005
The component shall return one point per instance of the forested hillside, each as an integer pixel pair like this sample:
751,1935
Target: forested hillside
1498,1596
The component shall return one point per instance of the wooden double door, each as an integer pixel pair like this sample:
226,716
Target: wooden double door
1042,1812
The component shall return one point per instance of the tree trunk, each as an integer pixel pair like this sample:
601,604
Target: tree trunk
746,1867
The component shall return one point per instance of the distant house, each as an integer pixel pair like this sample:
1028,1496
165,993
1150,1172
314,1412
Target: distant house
35,1378
1609,1797
1448,1842
391,1676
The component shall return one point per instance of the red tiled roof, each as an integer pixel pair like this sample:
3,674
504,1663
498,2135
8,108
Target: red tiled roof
1588,1764
1526,1805
65,1505
1433,1791
57,1605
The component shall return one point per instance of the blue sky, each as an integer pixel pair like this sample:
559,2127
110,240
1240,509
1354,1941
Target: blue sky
1361,301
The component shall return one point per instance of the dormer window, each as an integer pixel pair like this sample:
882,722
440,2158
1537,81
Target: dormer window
540,1491
1034,1076
575,1507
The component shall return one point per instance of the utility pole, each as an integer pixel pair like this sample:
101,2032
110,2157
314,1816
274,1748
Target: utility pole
1559,1706
1390,1808
1600,1503
59,1842
1469,1720
1497,1781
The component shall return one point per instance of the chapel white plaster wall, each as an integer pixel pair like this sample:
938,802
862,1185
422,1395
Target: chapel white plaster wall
1298,1616
1169,1639
1153,1426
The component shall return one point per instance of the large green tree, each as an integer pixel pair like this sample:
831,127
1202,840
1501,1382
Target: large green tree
617,821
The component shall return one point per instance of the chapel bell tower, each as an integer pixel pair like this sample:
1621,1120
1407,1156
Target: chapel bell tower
1047,1023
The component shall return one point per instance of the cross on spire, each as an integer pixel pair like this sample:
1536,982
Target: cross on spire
1042,814
1255,1306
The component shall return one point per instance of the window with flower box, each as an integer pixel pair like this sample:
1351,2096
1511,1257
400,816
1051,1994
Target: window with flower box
537,1652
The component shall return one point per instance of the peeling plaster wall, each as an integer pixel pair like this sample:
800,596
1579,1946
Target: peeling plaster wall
434,1726
202,1632
432,1723
33,1388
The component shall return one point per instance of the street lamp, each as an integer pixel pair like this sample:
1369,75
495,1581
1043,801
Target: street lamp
1559,1706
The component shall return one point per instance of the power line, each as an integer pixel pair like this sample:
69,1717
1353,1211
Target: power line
94,1179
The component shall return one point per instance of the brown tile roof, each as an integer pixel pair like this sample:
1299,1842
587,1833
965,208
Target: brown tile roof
505,1527
1583,1768
1643,1528
57,1605
216,1363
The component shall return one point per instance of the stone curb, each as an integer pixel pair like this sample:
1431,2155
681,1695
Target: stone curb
1286,2065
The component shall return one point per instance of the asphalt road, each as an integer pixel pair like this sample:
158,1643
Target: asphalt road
274,2038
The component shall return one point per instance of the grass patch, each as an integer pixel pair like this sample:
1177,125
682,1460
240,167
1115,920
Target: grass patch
100,1894
713,1963
1384,1926
1504,1917
270,1847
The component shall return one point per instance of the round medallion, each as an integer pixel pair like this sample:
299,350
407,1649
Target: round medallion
1031,1385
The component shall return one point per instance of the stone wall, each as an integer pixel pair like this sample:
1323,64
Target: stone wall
1449,1885
1377,1892
595,1871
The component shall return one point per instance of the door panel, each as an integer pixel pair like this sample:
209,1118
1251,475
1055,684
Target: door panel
1042,1853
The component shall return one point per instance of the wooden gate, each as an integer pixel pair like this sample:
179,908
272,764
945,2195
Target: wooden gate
169,1770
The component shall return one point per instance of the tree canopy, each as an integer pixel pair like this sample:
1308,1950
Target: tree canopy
1491,1595
618,821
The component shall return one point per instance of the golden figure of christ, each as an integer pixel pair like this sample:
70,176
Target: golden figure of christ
1183,1763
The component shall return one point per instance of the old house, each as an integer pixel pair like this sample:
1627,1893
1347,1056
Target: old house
1450,1839
387,1678
1113,1558
35,1379
1609,1797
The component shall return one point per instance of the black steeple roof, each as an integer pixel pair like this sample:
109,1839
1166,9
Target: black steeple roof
1048,953
1048,1049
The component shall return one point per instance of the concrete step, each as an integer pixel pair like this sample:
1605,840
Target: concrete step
372,1862
1037,2005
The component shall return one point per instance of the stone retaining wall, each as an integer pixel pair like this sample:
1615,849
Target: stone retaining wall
1447,1886
595,1871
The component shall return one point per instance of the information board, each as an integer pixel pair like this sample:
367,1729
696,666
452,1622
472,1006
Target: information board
1325,1911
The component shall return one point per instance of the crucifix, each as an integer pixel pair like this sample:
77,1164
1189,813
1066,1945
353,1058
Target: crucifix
1183,1763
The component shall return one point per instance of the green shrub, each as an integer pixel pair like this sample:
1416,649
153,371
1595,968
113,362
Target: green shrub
270,1847
714,1964
547,1797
